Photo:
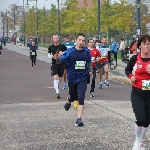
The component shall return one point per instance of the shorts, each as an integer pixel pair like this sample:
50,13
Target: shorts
101,65
57,69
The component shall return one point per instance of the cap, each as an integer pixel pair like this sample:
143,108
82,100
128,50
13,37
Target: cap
67,35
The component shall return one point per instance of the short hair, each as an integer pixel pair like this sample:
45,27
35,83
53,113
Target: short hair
143,38
122,39
90,40
79,34
103,37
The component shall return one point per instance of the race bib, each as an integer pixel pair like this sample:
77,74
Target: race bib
104,52
80,64
93,59
33,53
145,84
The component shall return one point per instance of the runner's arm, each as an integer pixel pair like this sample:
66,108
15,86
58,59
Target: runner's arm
129,68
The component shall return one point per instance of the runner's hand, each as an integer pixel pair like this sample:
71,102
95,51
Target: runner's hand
91,75
148,68
133,79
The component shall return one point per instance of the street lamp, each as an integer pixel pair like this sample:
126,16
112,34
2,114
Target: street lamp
138,24
27,6
98,3
24,24
59,34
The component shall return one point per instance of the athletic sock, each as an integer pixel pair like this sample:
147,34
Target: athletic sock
56,82
138,133
144,131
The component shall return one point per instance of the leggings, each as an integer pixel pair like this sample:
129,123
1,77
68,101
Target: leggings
93,80
33,58
141,107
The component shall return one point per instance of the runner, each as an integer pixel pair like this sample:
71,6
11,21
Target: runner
79,66
57,70
95,55
103,62
33,53
138,71
68,44
29,45
1,47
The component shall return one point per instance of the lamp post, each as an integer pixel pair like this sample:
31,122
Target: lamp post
27,5
98,3
138,24
7,23
15,36
59,34
24,24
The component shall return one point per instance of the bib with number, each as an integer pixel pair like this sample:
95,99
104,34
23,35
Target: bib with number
93,59
145,84
33,53
104,52
80,64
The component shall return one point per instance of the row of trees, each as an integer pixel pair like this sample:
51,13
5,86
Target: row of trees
116,19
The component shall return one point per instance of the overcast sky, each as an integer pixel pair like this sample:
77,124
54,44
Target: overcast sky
6,3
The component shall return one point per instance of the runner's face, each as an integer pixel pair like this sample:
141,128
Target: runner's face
67,39
104,41
55,39
145,47
91,44
80,41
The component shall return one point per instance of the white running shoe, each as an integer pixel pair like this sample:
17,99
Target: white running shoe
138,146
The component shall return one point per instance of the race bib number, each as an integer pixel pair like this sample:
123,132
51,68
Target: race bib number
93,59
33,53
145,84
80,64
104,52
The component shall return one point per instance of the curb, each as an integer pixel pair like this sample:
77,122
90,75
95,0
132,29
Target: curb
121,79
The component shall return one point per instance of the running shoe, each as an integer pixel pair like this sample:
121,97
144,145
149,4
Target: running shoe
64,86
75,105
67,106
100,85
79,122
58,96
91,94
138,146
106,84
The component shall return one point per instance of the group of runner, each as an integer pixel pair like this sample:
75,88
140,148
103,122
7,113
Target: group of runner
99,59
79,63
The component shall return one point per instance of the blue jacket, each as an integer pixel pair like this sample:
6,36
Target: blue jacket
76,64
114,47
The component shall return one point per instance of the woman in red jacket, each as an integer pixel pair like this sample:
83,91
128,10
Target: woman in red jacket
138,70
